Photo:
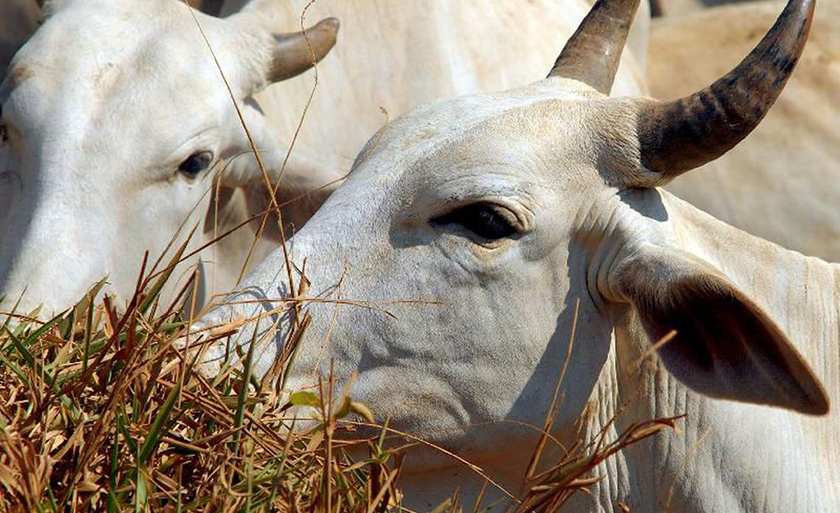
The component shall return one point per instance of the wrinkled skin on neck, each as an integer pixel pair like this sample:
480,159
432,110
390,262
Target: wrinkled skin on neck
479,329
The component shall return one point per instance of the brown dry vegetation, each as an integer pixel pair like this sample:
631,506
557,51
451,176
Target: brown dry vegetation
99,412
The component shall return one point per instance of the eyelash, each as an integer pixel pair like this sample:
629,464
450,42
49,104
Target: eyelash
482,219
196,163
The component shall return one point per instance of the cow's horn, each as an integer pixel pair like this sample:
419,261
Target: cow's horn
593,52
297,52
681,135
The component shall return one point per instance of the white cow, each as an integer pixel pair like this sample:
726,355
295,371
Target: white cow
117,119
478,222
114,115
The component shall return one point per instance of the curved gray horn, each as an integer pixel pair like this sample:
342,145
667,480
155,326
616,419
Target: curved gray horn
593,52
299,51
681,135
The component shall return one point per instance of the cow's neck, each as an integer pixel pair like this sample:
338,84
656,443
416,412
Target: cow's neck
729,456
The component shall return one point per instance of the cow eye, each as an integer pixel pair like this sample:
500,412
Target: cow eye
196,163
485,220
4,134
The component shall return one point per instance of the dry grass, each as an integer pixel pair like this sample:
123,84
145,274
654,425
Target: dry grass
99,412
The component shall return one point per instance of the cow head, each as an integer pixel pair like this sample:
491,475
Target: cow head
446,270
115,119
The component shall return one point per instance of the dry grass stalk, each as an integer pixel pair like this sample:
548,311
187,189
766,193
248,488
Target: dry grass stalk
98,413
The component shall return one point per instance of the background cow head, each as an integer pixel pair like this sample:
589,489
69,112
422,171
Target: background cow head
115,122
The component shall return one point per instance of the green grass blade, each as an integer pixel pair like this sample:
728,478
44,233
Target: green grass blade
154,292
14,368
113,501
141,497
47,326
28,358
153,438
243,394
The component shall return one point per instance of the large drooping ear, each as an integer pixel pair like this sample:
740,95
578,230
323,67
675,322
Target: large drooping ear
302,183
725,345
296,172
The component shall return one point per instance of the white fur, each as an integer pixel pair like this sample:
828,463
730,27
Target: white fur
479,331
110,96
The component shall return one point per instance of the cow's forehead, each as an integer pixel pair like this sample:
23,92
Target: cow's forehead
97,42
509,133
100,76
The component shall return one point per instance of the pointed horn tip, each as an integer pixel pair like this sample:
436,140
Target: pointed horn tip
592,55
330,23
326,28
684,134
297,52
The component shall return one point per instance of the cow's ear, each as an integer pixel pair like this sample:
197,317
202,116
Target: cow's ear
293,170
725,345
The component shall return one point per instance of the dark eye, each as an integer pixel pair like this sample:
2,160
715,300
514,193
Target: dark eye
196,163
4,135
482,219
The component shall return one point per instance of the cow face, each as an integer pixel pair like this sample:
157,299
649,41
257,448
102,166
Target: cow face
469,219
446,270
115,120
474,236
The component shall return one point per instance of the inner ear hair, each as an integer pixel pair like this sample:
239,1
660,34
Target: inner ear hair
725,345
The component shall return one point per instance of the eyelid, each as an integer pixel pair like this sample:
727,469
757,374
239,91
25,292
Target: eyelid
203,140
505,212
473,217
514,211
